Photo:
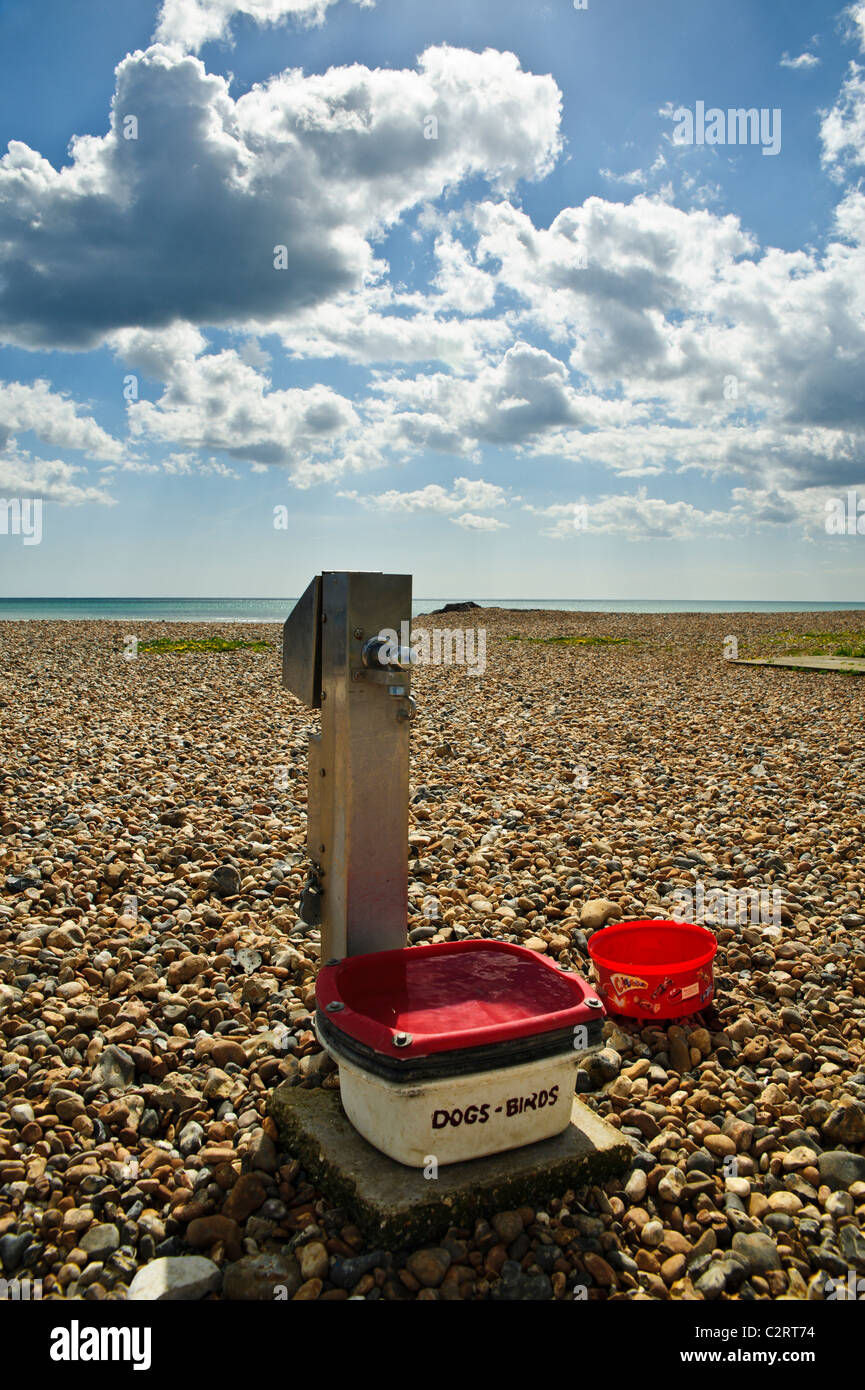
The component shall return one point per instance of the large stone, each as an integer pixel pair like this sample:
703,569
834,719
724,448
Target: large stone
101,1241
314,1260
635,1187
672,1185
181,971
508,1226
429,1267
680,1056
603,1066
205,1231
225,881
245,1197
713,1282
758,1253
840,1169
225,1051
12,1248
846,1124
115,1069
852,1244
191,1138
597,912
257,1278
346,1271
262,1152
180,1277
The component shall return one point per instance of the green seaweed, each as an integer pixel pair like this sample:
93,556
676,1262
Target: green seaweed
821,643
159,645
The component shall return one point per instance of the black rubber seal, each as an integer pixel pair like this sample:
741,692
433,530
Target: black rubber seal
440,1065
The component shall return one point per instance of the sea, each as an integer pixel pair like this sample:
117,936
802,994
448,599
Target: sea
276,610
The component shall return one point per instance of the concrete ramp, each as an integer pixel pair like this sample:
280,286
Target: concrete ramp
806,663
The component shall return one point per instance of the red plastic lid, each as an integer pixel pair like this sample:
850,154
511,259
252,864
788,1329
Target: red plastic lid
452,995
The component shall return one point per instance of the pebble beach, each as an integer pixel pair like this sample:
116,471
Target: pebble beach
156,982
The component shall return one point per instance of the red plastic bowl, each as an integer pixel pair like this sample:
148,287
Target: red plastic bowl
654,969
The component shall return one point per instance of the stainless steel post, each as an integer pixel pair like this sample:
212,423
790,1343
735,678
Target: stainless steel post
342,654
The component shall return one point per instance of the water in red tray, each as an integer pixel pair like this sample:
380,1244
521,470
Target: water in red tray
450,993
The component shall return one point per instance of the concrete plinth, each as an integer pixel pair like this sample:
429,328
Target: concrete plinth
395,1205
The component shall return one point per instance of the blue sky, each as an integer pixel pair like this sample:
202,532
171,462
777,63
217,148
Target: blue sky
519,341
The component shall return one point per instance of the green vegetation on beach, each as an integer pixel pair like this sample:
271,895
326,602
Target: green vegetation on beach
199,644
822,643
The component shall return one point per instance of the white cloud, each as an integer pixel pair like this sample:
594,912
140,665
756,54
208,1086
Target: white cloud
375,324
842,130
192,23
185,222
218,401
53,418
52,480
634,178
155,351
633,517
671,340
471,522
188,464
803,63
521,398
694,347
854,17
465,492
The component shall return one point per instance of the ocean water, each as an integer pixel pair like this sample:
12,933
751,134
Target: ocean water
276,610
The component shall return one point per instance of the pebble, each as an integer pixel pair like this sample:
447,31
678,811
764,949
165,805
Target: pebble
100,1241
314,1260
597,912
672,1185
261,1277
154,985
508,1226
429,1267
603,1066
115,1068
635,1187
759,1253
181,1278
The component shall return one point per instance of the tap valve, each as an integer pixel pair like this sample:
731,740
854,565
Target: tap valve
380,653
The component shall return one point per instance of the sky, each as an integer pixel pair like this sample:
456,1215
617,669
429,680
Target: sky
515,297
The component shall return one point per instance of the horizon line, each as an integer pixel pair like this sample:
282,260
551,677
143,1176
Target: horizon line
421,598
